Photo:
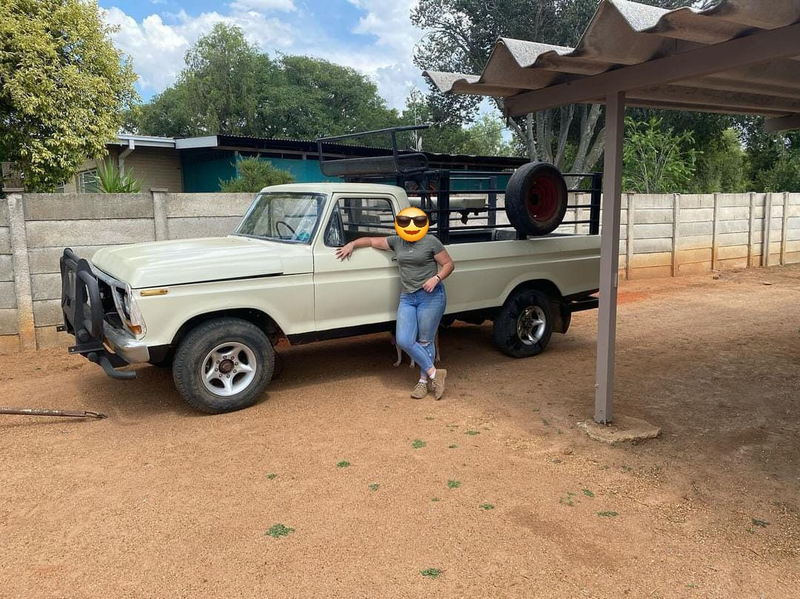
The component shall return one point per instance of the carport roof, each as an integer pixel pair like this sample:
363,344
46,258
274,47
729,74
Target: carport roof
643,51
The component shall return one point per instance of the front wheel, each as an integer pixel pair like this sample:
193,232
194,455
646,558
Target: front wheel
525,324
223,365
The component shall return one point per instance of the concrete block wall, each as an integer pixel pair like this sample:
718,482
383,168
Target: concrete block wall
660,235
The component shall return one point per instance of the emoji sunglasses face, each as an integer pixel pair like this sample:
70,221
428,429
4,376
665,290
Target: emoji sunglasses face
411,224
405,221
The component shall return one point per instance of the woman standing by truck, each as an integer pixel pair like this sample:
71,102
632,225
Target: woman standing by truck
424,264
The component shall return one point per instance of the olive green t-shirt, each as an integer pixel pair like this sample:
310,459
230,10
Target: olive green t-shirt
415,260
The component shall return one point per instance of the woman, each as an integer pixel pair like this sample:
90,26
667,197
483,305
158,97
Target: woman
423,264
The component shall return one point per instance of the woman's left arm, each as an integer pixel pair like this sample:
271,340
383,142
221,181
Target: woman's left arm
446,267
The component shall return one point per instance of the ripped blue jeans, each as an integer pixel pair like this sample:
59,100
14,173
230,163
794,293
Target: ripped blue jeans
418,317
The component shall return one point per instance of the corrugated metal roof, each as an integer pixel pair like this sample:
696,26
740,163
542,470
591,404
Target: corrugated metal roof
624,33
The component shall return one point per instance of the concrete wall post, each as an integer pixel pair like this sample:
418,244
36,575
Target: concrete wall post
751,229
676,220
784,227
765,241
160,213
629,197
22,272
715,234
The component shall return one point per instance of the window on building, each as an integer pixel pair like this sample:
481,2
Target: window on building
359,217
87,182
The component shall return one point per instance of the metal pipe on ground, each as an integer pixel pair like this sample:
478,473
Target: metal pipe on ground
58,413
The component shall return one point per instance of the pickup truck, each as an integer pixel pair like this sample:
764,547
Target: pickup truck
214,308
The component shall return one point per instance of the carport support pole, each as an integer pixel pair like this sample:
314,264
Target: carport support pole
609,257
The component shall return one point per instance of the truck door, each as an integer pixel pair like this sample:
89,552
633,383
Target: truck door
365,289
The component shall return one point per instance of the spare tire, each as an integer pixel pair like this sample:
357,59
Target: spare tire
536,198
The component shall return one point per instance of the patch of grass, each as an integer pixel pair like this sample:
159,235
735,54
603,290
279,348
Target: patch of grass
472,433
272,476
751,531
343,464
453,484
761,523
431,572
545,421
559,431
607,514
691,586
374,487
418,443
556,460
429,418
625,468
435,499
588,493
567,499
452,447
486,506
535,410
278,530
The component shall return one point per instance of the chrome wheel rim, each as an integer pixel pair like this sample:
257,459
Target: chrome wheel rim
228,369
530,325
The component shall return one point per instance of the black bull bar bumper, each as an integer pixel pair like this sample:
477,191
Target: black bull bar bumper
82,305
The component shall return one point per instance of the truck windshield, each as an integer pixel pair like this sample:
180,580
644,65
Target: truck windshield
283,216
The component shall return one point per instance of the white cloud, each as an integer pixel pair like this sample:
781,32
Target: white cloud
389,22
159,42
158,48
263,5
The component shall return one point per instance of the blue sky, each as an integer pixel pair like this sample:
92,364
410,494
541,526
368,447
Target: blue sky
373,36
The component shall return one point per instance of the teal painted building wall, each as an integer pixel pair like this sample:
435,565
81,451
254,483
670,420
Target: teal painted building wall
203,170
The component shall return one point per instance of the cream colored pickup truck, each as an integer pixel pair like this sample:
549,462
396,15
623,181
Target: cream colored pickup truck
214,308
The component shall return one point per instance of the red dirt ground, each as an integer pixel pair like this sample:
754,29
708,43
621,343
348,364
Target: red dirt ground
158,501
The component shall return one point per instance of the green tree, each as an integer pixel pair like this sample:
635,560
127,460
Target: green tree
461,35
253,175
774,159
63,86
655,161
483,138
229,86
722,166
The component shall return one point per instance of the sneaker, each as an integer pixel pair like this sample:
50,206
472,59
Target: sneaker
420,391
438,383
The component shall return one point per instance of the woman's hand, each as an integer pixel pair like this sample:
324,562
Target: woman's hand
345,251
431,284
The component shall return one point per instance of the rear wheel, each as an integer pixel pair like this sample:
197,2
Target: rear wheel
525,324
223,365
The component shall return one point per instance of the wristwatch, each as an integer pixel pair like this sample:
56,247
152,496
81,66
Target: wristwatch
438,277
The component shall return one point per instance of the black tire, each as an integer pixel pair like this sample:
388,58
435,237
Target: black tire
191,356
536,198
509,324
278,370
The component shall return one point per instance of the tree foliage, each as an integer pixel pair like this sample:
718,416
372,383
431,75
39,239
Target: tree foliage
773,159
654,160
483,138
462,34
63,86
254,175
229,86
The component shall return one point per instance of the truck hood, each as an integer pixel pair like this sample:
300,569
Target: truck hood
165,263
